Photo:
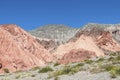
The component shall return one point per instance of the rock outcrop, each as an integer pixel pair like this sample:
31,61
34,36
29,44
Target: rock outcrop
103,35
84,45
76,55
19,50
114,29
48,44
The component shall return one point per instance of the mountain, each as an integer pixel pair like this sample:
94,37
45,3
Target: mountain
55,43
54,52
58,33
88,41
20,50
53,35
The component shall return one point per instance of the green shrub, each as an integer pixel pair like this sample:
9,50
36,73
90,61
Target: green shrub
114,70
66,70
80,64
118,58
6,70
88,61
63,71
100,60
56,64
44,70
111,59
108,67
115,54
74,69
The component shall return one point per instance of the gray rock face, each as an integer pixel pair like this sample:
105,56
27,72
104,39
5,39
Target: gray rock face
58,33
62,33
114,29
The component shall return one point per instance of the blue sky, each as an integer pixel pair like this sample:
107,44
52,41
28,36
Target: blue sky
30,14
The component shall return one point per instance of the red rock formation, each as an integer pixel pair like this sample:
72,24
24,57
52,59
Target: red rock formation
106,41
76,55
102,38
94,41
48,44
19,50
83,44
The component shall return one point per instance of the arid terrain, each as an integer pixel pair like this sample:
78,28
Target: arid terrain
59,52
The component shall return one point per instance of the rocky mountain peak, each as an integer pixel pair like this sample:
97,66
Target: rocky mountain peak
12,29
57,32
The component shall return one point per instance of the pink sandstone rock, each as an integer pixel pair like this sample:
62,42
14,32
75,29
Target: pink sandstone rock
76,55
84,43
19,50
105,41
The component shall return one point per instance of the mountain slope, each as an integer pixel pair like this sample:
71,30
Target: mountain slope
58,33
105,35
97,39
114,29
19,50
